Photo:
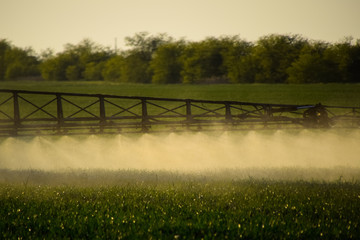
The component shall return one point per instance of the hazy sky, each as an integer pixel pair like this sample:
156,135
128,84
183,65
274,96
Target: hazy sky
45,24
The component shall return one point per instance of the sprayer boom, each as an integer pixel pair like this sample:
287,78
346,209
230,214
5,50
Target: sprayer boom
37,113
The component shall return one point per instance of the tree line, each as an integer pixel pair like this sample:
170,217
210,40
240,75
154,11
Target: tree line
162,59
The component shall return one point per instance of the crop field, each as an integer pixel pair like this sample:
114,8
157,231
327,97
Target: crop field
274,184
327,94
144,205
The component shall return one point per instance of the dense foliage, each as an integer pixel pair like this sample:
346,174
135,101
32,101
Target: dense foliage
161,59
16,62
182,209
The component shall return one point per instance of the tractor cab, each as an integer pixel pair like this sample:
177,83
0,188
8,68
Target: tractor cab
316,117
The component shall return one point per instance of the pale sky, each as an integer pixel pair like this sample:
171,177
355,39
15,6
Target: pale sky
51,24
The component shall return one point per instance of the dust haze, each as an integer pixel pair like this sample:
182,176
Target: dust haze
251,153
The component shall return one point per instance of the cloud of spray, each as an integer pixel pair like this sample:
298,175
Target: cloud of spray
185,151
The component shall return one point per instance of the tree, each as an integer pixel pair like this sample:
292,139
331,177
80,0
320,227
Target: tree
93,71
237,60
71,64
20,63
4,46
136,65
203,62
160,59
17,62
56,68
147,44
73,73
347,55
135,68
314,65
166,63
112,69
353,66
273,54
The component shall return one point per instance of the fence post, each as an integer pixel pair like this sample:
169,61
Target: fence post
144,116
228,116
102,113
189,116
267,114
60,113
16,112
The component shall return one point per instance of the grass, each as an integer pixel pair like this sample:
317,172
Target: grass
327,94
182,207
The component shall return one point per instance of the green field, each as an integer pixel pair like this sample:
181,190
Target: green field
327,94
127,204
144,205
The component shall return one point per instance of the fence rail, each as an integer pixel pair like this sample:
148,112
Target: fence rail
36,112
